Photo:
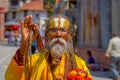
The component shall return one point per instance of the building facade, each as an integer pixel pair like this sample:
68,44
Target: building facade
93,20
115,10
3,10
19,9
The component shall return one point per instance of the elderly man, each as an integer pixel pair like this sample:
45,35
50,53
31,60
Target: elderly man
56,62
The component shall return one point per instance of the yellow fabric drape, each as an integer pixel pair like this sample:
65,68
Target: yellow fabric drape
41,69
14,71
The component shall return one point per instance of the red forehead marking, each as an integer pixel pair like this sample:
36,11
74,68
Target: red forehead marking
59,22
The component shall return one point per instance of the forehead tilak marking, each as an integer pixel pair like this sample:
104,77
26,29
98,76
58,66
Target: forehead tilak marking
62,22
55,22
59,22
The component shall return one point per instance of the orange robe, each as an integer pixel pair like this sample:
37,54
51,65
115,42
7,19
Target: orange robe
40,69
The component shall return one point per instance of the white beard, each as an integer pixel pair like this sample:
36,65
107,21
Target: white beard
58,50
57,47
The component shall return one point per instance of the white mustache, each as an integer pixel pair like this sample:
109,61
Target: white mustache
58,39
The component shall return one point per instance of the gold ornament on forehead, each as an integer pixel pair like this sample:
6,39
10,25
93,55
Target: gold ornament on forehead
59,22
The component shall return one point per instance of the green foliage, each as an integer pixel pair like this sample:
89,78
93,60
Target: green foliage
48,5
50,1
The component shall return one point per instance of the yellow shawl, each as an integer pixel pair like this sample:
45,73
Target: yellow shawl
40,68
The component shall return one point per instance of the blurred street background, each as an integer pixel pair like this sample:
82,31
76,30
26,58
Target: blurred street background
93,23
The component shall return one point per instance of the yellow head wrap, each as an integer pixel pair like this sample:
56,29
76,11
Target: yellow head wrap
58,21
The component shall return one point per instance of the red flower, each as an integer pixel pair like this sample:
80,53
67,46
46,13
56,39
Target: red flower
77,74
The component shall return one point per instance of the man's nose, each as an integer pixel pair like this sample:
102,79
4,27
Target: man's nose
58,34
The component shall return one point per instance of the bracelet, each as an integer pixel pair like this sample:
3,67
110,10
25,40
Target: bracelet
19,58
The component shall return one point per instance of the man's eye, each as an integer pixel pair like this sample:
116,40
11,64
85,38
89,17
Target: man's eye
63,30
53,30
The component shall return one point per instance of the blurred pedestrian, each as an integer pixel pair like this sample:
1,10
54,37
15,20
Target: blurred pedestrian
11,39
91,62
90,58
113,54
16,41
93,65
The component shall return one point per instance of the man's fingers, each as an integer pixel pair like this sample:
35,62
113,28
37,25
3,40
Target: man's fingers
22,28
36,26
36,29
30,20
26,21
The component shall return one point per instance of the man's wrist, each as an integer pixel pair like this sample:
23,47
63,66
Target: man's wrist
19,58
22,48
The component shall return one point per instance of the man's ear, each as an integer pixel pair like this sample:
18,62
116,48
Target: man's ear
70,34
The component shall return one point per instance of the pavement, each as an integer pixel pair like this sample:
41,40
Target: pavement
7,51
97,75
